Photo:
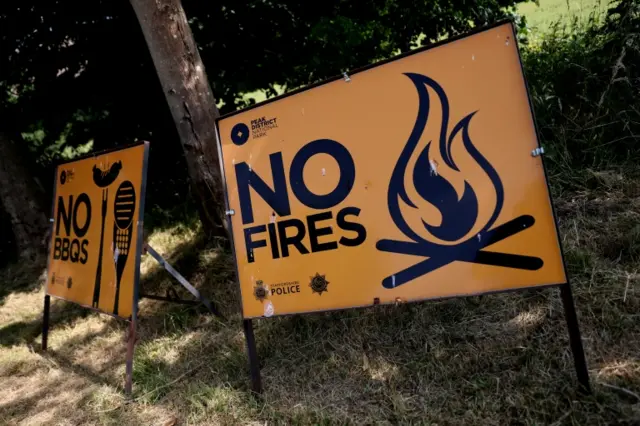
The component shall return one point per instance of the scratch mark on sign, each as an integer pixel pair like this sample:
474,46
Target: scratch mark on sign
269,310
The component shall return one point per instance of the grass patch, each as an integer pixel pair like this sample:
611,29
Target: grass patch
481,360
151,372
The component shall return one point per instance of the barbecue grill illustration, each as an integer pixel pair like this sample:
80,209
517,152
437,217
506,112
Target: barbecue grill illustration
451,240
124,206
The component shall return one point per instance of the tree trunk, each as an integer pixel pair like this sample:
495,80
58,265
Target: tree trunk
19,198
186,88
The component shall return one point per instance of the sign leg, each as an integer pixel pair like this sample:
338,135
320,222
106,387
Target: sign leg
254,367
45,322
574,337
130,349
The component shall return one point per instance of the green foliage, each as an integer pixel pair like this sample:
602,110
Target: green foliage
543,15
291,44
83,79
585,86
84,56
74,72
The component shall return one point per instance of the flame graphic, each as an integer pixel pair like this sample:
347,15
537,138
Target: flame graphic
459,213
464,233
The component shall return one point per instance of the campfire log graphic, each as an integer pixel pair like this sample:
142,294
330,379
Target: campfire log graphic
451,240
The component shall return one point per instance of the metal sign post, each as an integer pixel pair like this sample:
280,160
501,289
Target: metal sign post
582,372
45,322
254,366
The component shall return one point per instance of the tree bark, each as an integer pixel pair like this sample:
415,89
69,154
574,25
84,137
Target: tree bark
191,101
19,198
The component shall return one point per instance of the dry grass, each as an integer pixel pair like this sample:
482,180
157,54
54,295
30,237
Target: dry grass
500,359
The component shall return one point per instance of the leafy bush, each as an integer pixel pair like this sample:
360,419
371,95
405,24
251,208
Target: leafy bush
585,87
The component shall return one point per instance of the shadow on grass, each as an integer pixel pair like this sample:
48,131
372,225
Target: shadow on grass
22,277
487,359
505,360
208,269
26,332
491,360
68,396
496,359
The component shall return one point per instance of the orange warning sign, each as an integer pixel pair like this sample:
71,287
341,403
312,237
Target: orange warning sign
96,239
413,179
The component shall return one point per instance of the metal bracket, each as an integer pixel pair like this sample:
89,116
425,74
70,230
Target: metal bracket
230,212
537,152
346,77
182,280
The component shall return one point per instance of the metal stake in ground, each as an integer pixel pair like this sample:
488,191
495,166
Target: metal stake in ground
254,367
574,337
131,341
45,322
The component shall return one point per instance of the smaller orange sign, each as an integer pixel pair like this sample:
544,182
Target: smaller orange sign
96,240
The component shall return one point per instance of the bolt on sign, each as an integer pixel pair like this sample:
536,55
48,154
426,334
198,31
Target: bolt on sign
96,241
409,180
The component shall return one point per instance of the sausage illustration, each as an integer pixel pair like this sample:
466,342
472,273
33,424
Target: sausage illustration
104,179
